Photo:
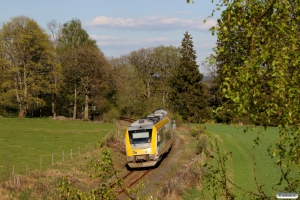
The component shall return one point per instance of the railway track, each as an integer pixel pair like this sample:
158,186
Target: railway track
127,119
129,181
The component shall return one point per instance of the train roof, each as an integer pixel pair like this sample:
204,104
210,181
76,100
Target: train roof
149,121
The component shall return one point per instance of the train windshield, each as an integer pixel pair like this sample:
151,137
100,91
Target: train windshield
140,136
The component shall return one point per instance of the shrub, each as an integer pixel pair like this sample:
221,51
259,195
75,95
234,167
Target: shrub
111,115
178,119
110,139
203,144
195,132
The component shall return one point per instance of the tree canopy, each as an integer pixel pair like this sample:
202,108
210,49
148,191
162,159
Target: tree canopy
142,78
27,51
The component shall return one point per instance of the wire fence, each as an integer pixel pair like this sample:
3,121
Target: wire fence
11,170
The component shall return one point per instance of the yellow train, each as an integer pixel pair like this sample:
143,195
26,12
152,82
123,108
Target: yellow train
147,139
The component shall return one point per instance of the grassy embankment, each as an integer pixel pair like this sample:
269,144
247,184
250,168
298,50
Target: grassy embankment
240,167
33,141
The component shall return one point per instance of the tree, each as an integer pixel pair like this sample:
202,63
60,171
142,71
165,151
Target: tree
27,50
56,78
128,87
86,65
258,54
155,66
214,68
167,61
188,96
72,41
4,102
73,36
143,63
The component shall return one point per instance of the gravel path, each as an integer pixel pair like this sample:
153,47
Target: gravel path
162,171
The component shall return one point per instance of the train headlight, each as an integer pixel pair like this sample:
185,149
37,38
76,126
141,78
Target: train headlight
148,150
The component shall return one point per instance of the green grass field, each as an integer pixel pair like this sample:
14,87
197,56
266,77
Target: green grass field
240,166
30,141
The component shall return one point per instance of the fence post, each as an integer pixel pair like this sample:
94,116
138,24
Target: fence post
41,161
78,151
26,168
71,153
63,156
52,159
117,126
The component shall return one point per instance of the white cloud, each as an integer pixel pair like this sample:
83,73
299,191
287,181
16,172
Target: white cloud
116,41
151,23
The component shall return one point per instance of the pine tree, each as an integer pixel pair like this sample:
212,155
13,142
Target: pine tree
188,93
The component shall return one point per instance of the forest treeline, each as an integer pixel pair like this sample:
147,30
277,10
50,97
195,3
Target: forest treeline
62,72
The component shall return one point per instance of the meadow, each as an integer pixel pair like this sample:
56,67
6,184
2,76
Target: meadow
240,166
28,144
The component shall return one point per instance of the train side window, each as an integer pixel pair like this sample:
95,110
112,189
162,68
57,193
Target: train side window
168,125
160,135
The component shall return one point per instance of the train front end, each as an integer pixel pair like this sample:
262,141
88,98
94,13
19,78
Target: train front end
140,141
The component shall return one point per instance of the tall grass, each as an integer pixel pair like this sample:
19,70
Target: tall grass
33,141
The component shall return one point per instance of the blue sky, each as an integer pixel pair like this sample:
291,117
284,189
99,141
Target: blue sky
122,26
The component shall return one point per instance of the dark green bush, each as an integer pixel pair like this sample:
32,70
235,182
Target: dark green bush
203,144
178,119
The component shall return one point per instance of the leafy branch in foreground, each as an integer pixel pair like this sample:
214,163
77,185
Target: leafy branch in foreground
101,169
257,56
104,170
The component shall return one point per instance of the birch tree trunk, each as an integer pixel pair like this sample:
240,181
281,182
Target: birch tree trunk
86,107
53,105
75,102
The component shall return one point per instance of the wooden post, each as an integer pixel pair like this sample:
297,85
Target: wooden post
71,153
63,156
26,168
117,128
52,159
41,161
78,151
13,170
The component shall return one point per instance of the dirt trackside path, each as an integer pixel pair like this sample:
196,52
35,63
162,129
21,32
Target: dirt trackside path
172,174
